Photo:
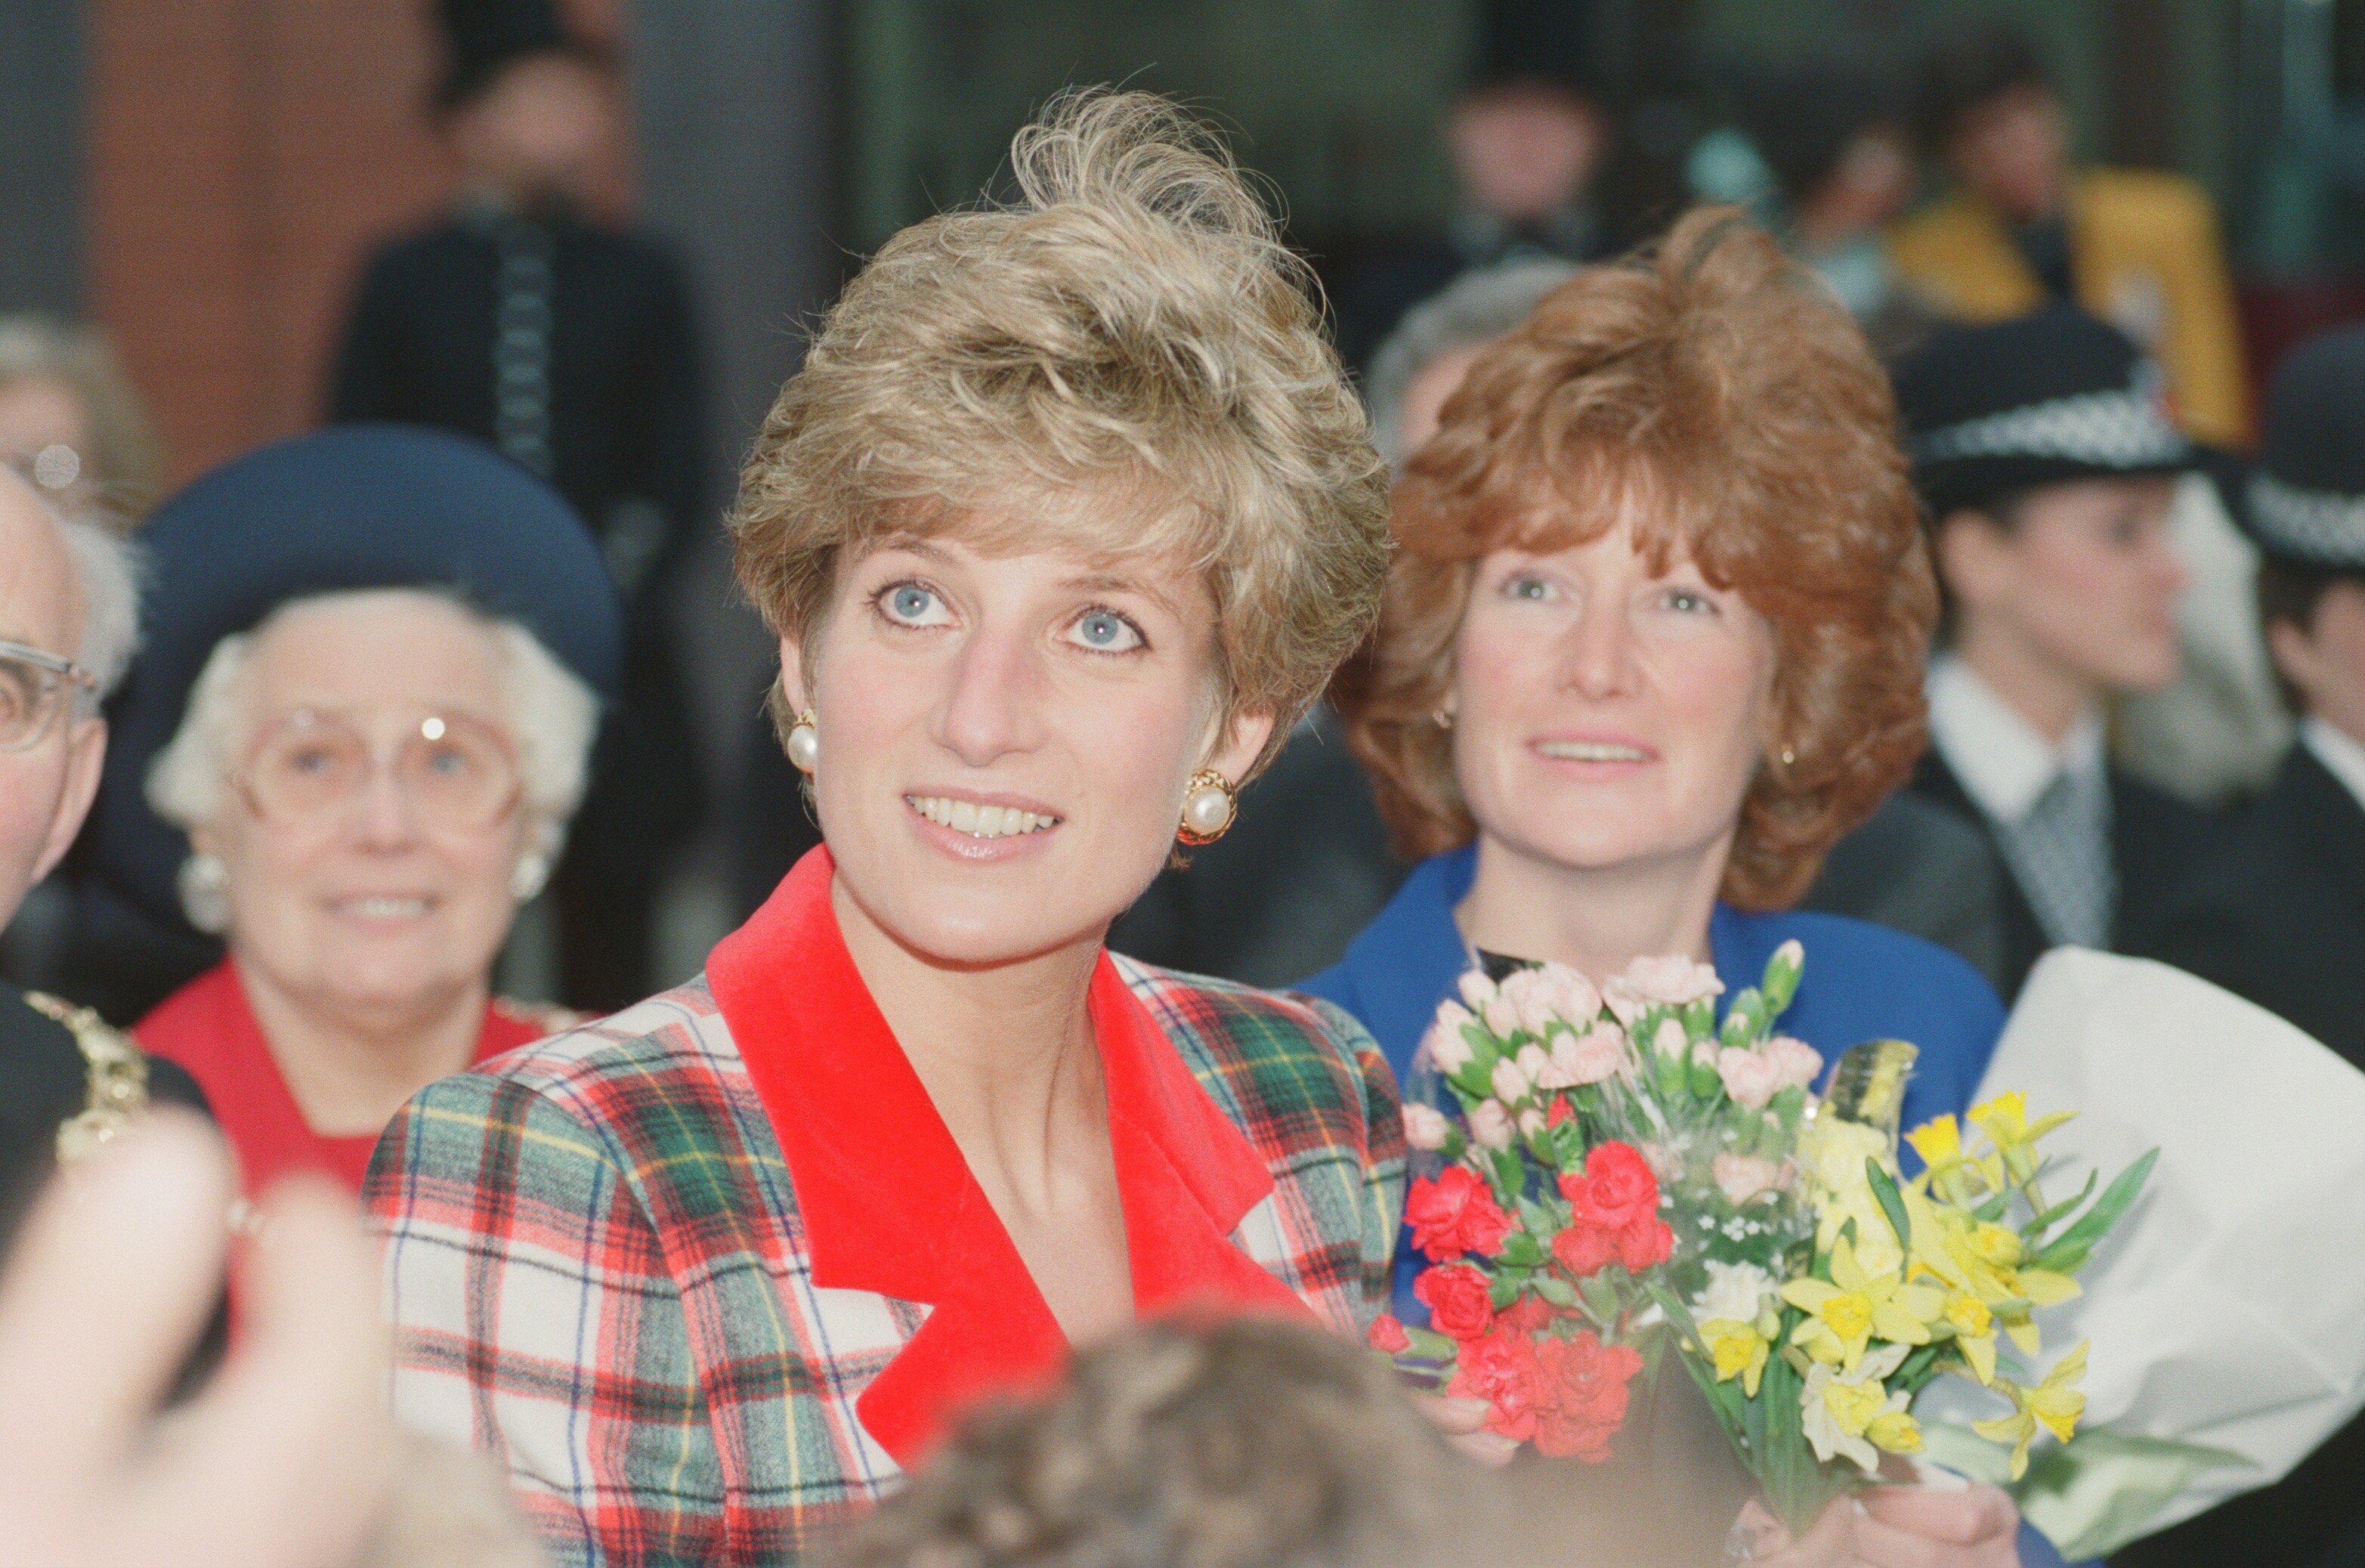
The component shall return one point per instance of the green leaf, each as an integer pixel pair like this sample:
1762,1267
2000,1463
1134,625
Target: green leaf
1704,1082
1744,1019
2036,1228
1430,1344
2096,1222
2064,1257
1780,983
1891,1206
1521,1250
1507,1171
1557,1290
1503,1291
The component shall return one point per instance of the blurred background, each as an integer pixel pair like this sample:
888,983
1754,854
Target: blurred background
204,182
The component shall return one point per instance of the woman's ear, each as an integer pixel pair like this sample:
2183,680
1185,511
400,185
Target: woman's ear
792,675
1973,553
1243,742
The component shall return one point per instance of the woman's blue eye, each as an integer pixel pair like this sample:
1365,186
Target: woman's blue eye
911,603
1534,590
1687,601
1105,631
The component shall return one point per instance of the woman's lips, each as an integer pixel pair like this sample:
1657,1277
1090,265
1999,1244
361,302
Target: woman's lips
1597,749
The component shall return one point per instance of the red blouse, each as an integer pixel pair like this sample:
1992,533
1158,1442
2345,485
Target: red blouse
207,1028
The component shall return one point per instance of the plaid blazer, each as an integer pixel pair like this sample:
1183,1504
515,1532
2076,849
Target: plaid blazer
706,1274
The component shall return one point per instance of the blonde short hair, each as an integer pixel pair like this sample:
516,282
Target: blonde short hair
1130,325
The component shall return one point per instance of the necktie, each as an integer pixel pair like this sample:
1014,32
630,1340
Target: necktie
2059,853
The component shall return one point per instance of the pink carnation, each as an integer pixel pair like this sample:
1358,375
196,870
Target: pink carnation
1447,1051
1589,1058
1477,990
1553,994
1741,1177
1424,1127
1796,1063
1490,1125
1750,1077
1510,1083
1667,979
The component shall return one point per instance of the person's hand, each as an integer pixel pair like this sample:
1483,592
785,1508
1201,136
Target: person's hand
281,1462
1463,1422
1928,1527
1892,1526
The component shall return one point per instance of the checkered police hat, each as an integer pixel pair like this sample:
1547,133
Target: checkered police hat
2305,500
2047,398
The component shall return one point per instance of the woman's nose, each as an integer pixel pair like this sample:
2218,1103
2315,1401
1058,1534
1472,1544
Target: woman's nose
383,815
1598,654
993,706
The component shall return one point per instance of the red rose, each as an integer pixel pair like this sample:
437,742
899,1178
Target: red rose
1584,1250
1530,1315
1643,1244
1387,1334
1502,1370
1617,1189
1582,1394
1454,1215
1456,1296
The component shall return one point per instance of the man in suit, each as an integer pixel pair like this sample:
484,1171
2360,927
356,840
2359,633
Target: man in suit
569,345
2047,462
69,611
2137,247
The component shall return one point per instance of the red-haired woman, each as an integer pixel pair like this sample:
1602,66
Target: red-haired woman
1653,643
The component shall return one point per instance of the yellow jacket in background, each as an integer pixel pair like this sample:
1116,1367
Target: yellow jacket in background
2144,254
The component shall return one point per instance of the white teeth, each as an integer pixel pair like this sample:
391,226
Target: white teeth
1590,751
977,822
386,908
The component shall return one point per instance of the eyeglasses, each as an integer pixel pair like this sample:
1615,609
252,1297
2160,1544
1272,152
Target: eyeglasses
33,688
458,773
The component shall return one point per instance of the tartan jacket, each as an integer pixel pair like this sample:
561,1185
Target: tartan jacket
708,1274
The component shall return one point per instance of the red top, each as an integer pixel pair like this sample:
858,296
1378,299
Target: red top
886,1203
207,1028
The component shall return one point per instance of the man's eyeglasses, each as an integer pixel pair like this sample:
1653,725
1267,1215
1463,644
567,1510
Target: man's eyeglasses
34,687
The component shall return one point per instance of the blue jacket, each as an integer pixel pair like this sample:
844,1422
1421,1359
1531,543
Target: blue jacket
1861,982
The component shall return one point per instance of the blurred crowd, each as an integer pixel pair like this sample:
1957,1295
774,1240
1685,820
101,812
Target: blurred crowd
304,759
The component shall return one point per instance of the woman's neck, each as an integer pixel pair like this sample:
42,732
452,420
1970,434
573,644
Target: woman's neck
350,1065
2031,684
1005,1052
1596,920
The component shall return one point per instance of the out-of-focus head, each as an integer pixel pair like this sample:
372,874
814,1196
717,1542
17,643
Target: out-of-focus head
1834,136
1525,148
382,776
1070,500
1246,1444
1422,363
359,722
2042,449
1659,580
70,421
2305,509
530,108
69,617
1987,109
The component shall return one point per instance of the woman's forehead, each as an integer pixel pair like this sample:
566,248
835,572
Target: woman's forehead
374,647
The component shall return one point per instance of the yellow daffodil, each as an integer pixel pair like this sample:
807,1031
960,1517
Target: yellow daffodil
1974,1331
2052,1404
1737,1350
1952,1171
1832,1153
2005,1121
1844,1315
1849,1413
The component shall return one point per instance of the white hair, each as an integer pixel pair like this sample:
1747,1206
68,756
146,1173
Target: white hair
552,718
107,569
1476,307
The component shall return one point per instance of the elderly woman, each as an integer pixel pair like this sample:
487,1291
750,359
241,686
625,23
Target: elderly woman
1069,514
366,701
1652,641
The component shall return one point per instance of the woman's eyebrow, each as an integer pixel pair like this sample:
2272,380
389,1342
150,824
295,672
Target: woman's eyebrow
1108,582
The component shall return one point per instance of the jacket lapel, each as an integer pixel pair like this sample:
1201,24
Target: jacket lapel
886,1203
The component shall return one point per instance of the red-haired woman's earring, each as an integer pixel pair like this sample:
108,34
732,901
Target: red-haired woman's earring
1208,808
803,745
1444,720
1790,757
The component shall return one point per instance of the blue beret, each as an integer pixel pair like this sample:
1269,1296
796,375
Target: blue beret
353,506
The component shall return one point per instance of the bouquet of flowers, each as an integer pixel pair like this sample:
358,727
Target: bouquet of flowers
1621,1173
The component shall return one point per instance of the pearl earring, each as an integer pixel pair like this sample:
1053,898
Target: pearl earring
527,876
1790,757
805,743
203,882
1207,809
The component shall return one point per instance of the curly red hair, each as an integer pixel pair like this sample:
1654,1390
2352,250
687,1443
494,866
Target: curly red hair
1712,379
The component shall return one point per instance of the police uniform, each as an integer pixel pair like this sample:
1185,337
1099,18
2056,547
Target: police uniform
2093,856
2277,912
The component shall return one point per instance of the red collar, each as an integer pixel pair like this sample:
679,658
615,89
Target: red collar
888,1205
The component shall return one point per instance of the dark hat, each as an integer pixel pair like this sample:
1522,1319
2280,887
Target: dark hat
482,38
355,507
1533,43
1803,117
2305,501
2040,399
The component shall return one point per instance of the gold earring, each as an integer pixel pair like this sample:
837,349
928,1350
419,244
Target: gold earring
803,745
1441,717
1207,809
1790,757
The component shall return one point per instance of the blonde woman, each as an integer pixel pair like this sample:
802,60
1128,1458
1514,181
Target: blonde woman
1068,514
